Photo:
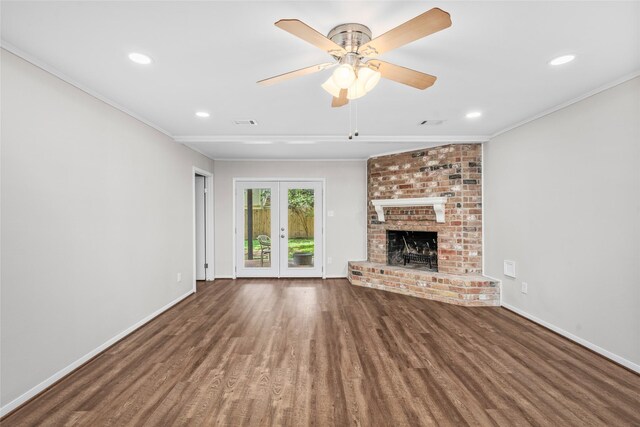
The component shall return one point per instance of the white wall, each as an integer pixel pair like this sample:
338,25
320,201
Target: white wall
562,199
346,188
96,223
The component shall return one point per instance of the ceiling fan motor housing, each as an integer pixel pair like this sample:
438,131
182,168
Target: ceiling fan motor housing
350,36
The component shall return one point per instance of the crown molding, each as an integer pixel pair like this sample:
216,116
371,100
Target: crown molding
586,95
424,147
187,139
242,159
59,74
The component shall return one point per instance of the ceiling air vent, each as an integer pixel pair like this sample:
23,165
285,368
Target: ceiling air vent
246,122
431,122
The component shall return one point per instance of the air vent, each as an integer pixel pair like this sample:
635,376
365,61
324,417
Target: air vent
246,122
431,122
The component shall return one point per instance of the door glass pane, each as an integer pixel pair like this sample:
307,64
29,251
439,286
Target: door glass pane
300,225
257,227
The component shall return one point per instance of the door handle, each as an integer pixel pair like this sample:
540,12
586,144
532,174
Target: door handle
282,235
282,229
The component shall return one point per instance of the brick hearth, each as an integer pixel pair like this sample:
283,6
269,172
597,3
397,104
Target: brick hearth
452,171
468,289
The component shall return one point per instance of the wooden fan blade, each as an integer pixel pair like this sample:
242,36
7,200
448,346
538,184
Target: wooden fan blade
340,100
402,75
308,34
296,73
421,26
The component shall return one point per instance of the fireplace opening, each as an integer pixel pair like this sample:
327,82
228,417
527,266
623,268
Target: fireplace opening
413,249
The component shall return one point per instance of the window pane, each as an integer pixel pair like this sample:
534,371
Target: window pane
257,227
300,225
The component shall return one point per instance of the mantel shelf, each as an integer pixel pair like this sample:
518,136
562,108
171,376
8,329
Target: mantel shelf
437,203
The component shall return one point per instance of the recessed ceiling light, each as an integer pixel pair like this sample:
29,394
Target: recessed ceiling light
258,142
140,58
202,114
562,59
474,114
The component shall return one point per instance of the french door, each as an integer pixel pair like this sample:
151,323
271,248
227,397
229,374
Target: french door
279,229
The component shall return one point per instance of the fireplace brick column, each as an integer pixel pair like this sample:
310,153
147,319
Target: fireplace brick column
453,171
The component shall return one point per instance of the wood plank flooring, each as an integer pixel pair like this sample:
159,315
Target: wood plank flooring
312,352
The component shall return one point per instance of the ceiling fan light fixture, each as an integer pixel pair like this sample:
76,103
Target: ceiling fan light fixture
344,76
369,77
357,90
331,87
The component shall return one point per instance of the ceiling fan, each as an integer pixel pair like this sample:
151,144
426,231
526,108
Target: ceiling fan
354,51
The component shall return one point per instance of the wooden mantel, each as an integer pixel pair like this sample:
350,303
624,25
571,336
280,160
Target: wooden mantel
437,203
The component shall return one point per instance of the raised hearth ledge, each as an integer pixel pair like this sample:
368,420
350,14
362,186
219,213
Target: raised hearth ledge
436,202
466,290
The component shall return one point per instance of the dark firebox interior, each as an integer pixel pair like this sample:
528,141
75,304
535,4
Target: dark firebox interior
413,249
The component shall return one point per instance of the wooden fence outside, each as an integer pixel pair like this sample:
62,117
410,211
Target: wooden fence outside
262,223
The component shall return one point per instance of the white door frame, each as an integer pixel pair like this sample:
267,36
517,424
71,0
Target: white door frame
208,176
323,181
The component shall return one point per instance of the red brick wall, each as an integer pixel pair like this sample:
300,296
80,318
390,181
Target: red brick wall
452,171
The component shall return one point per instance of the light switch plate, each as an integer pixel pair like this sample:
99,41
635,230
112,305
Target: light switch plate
179,278
525,287
510,268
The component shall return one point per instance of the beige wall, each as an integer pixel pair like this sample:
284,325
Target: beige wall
96,223
345,196
562,199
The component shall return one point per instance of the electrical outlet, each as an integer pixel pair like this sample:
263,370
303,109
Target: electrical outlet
330,213
179,279
329,260
525,287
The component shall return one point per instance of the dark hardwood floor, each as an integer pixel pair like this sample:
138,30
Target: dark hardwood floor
313,352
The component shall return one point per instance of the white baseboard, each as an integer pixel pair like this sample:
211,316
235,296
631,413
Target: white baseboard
70,368
609,355
224,276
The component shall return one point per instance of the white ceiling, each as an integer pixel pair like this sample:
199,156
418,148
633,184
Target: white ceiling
208,56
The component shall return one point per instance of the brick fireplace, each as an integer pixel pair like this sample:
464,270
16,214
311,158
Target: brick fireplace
453,172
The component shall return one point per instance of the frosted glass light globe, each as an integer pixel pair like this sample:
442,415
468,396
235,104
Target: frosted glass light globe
369,77
357,89
331,87
344,76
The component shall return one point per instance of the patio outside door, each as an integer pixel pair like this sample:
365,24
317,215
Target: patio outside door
300,229
279,229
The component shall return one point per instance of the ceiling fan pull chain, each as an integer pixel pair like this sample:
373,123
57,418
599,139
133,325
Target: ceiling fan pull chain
356,132
350,127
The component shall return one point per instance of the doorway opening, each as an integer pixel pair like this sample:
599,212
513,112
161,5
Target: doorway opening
279,228
202,226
